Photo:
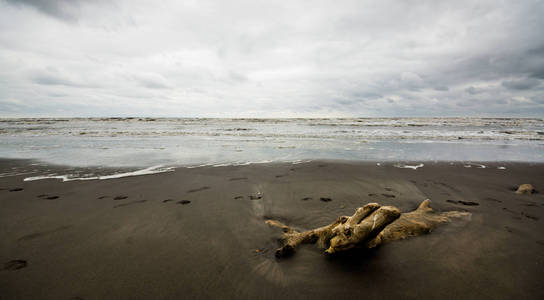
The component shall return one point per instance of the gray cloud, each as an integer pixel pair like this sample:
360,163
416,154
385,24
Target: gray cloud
521,84
242,58
538,74
473,90
63,9
152,81
46,78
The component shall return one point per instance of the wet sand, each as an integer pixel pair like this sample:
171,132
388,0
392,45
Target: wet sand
200,233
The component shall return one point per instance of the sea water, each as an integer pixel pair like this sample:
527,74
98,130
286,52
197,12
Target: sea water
189,142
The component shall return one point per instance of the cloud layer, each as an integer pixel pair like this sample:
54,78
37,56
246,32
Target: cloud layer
268,59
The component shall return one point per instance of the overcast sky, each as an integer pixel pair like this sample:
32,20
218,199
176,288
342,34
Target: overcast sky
271,58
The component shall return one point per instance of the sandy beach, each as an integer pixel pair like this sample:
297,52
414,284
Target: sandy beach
201,233
271,150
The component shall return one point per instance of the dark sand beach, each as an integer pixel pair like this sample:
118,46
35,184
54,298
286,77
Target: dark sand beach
200,234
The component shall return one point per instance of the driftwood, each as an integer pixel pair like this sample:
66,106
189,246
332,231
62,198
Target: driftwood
370,226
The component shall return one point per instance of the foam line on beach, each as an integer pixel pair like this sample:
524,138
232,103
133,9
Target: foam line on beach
244,163
479,166
146,171
409,167
222,164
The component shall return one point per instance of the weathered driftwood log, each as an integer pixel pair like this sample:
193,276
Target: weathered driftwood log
370,226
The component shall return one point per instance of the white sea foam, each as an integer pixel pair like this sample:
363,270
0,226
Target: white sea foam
236,163
62,177
300,161
479,166
146,171
408,166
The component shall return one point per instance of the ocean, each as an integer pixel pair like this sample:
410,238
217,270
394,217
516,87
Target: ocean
157,144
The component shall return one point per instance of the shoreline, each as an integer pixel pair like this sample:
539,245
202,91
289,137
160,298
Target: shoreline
200,233
41,170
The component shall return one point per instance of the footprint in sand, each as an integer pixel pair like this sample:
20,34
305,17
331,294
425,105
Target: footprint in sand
509,210
534,218
48,197
372,195
239,197
492,199
198,189
388,195
251,197
468,203
282,175
36,235
120,197
183,202
325,199
515,214
15,264
16,190
102,197
129,203
306,198
237,178
167,200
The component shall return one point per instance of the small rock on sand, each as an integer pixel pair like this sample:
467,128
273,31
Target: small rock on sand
526,189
